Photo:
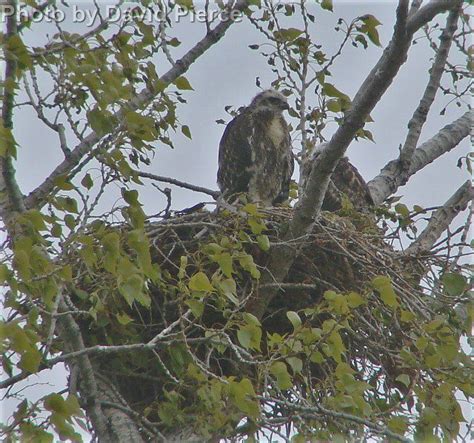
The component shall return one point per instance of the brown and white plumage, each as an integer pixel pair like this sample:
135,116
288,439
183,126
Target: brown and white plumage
255,151
345,181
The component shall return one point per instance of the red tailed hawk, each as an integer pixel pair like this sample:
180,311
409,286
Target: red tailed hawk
346,181
255,151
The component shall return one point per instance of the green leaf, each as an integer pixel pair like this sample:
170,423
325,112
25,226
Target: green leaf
185,4
398,424
370,28
62,182
327,4
294,319
196,306
296,364
70,221
139,243
407,316
251,209
256,225
36,218
288,34
384,286
224,260
4,273
87,181
182,266
183,83
454,283
251,319
101,121
250,336
355,300
200,282
30,360
317,357
402,209
404,379
123,318
331,91
111,249
186,131
66,204
130,196
132,288
7,142
283,379
334,105
263,242
243,396
17,48
229,289
174,42
54,402
247,263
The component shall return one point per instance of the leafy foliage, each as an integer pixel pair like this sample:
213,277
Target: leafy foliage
358,340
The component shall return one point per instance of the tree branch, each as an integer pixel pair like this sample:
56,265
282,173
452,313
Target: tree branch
37,197
368,95
428,12
441,219
11,204
179,183
309,205
392,176
10,195
419,116
318,410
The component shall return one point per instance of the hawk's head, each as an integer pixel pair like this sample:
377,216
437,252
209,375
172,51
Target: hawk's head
271,100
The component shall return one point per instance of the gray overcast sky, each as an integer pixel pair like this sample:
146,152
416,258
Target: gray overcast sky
226,76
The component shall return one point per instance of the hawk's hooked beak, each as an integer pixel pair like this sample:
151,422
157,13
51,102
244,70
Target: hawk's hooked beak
285,105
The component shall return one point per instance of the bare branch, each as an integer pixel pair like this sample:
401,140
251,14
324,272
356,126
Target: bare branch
37,197
181,184
425,14
318,410
391,176
419,116
441,219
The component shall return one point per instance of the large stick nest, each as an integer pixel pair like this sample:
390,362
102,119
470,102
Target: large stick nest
343,254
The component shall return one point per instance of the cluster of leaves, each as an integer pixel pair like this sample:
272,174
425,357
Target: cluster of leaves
322,356
321,361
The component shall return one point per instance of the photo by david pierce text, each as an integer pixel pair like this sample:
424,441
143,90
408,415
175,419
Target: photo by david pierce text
112,13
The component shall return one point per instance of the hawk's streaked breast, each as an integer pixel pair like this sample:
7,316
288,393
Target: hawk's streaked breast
255,152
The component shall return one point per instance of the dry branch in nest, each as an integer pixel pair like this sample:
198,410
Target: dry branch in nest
346,279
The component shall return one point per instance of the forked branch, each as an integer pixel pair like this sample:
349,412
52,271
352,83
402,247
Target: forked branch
441,219
392,176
